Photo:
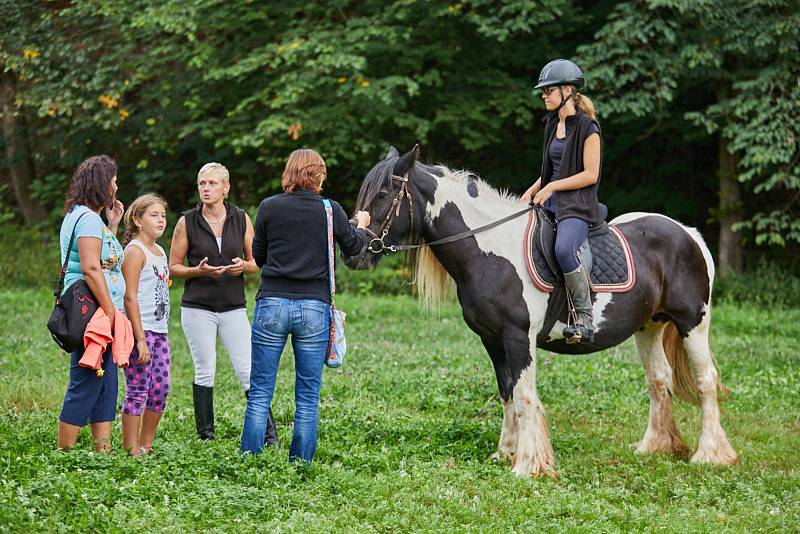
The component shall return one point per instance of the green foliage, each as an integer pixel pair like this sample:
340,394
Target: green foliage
165,86
406,431
767,285
651,56
31,259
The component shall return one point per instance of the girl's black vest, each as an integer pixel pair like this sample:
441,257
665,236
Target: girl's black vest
580,203
225,292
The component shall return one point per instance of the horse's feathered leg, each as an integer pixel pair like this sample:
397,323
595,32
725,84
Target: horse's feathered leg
507,446
662,435
713,446
534,454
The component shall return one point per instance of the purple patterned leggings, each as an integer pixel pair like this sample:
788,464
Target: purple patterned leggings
147,385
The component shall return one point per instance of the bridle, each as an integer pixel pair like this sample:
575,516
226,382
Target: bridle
377,244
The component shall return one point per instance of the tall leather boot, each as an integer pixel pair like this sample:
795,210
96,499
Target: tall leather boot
577,284
271,433
203,397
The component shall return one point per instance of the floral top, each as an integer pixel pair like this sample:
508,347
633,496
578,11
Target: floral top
91,225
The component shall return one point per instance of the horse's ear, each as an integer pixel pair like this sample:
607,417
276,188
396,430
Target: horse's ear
393,153
406,161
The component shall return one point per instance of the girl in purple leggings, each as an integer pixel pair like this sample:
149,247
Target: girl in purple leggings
146,273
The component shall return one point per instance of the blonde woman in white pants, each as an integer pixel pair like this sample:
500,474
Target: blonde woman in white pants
215,240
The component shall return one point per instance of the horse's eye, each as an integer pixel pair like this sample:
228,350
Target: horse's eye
381,195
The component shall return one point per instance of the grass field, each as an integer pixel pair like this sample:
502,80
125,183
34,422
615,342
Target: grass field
406,431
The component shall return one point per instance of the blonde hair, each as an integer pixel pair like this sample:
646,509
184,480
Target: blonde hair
137,209
305,169
216,169
583,103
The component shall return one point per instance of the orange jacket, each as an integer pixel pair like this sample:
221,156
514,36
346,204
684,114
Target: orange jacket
98,335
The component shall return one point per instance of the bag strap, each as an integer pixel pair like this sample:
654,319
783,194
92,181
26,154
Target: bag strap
60,287
331,252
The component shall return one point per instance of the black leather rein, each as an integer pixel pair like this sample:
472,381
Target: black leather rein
377,246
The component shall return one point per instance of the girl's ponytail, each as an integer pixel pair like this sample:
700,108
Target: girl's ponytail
585,104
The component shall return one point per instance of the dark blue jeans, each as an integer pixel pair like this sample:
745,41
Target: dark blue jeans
308,321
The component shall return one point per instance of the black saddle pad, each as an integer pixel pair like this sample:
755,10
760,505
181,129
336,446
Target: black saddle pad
612,263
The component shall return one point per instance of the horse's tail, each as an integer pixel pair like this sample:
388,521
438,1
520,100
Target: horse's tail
683,383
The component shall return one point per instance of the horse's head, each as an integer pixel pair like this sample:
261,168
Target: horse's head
394,193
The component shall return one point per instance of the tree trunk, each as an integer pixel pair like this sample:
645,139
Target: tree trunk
731,252
18,154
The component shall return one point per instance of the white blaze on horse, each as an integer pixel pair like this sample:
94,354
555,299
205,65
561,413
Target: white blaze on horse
668,309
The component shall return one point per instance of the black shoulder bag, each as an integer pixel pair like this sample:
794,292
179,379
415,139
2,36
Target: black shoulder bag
74,310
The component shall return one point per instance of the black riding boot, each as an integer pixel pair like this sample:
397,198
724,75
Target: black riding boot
203,397
271,433
578,286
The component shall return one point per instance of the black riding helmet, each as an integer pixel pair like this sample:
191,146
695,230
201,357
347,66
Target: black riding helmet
560,72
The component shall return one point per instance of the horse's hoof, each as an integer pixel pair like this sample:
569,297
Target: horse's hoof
537,470
502,457
721,456
543,473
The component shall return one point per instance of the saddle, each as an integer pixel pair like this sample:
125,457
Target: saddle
605,255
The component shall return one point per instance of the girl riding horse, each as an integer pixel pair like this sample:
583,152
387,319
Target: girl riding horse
452,216
567,188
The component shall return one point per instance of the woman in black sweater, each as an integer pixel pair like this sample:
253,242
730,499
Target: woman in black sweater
291,248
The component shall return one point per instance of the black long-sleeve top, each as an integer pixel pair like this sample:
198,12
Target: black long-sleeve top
291,245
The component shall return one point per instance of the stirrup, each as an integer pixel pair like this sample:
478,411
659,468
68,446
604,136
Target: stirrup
575,334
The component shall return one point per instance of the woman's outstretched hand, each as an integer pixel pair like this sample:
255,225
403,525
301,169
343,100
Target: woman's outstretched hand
363,219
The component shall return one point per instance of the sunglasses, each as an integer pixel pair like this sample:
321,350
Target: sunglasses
547,90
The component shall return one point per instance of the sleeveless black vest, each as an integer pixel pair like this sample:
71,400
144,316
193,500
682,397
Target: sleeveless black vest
225,292
580,203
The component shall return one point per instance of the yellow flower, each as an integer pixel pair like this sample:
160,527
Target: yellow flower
294,130
30,54
342,79
150,121
100,372
123,114
364,83
108,101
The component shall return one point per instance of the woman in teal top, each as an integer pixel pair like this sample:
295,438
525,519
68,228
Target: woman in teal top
96,256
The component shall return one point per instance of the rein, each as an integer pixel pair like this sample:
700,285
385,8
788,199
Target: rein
377,245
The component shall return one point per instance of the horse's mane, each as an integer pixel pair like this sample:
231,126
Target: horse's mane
463,176
380,176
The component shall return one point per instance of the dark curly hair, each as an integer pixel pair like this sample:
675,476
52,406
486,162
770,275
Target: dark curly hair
91,184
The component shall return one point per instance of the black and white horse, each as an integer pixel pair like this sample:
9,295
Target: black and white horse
668,310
